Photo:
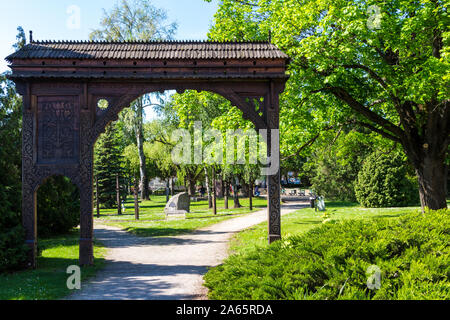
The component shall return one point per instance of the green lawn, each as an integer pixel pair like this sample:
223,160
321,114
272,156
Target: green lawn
48,281
306,219
152,221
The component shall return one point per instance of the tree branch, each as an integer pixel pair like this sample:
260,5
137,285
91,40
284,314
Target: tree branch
344,96
372,73
308,143
246,3
379,131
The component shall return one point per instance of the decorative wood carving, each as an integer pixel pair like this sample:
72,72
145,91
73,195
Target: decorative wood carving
61,122
58,130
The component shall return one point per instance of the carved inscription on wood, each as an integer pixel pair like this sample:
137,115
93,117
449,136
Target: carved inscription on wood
58,130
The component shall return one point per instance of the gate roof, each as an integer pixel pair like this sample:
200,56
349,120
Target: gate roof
148,50
149,60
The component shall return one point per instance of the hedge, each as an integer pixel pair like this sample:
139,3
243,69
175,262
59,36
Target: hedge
332,261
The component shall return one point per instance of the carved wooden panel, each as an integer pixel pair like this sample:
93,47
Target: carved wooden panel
61,125
58,130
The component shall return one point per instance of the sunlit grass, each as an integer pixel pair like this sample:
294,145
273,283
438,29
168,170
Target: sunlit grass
306,219
48,281
152,218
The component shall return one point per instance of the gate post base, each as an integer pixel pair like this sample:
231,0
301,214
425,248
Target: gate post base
32,253
273,238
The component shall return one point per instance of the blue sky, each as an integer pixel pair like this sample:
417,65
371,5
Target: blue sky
48,19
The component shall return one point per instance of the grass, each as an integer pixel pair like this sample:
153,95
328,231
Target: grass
152,221
306,219
48,281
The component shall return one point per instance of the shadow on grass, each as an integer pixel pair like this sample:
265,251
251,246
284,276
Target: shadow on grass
138,237
157,232
308,222
341,204
380,216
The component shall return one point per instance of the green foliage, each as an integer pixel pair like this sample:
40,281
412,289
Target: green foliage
332,260
135,20
20,38
384,182
12,236
153,157
385,68
107,165
336,161
58,204
160,146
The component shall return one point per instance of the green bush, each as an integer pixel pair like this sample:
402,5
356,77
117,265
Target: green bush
383,181
13,251
336,164
58,207
331,262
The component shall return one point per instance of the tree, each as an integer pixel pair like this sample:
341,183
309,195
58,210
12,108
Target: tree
191,107
58,206
132,20
246,173
13,251
381,65
20,38
337,159
158,133
107,164
383,182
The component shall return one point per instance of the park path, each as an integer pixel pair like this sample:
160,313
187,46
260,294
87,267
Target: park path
164,268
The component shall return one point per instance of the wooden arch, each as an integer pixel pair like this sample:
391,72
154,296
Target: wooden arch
61,83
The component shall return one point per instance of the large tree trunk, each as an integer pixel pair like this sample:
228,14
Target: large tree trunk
432,178
424,134
191,186
427,153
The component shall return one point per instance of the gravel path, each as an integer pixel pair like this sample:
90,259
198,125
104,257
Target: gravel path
163,268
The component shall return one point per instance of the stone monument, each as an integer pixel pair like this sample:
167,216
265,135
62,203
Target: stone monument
177,207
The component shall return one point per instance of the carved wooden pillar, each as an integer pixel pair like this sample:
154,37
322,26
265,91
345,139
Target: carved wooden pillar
86,225
29,210
273,152
86,180
86,218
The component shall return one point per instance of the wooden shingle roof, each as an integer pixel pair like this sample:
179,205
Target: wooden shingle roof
170,50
